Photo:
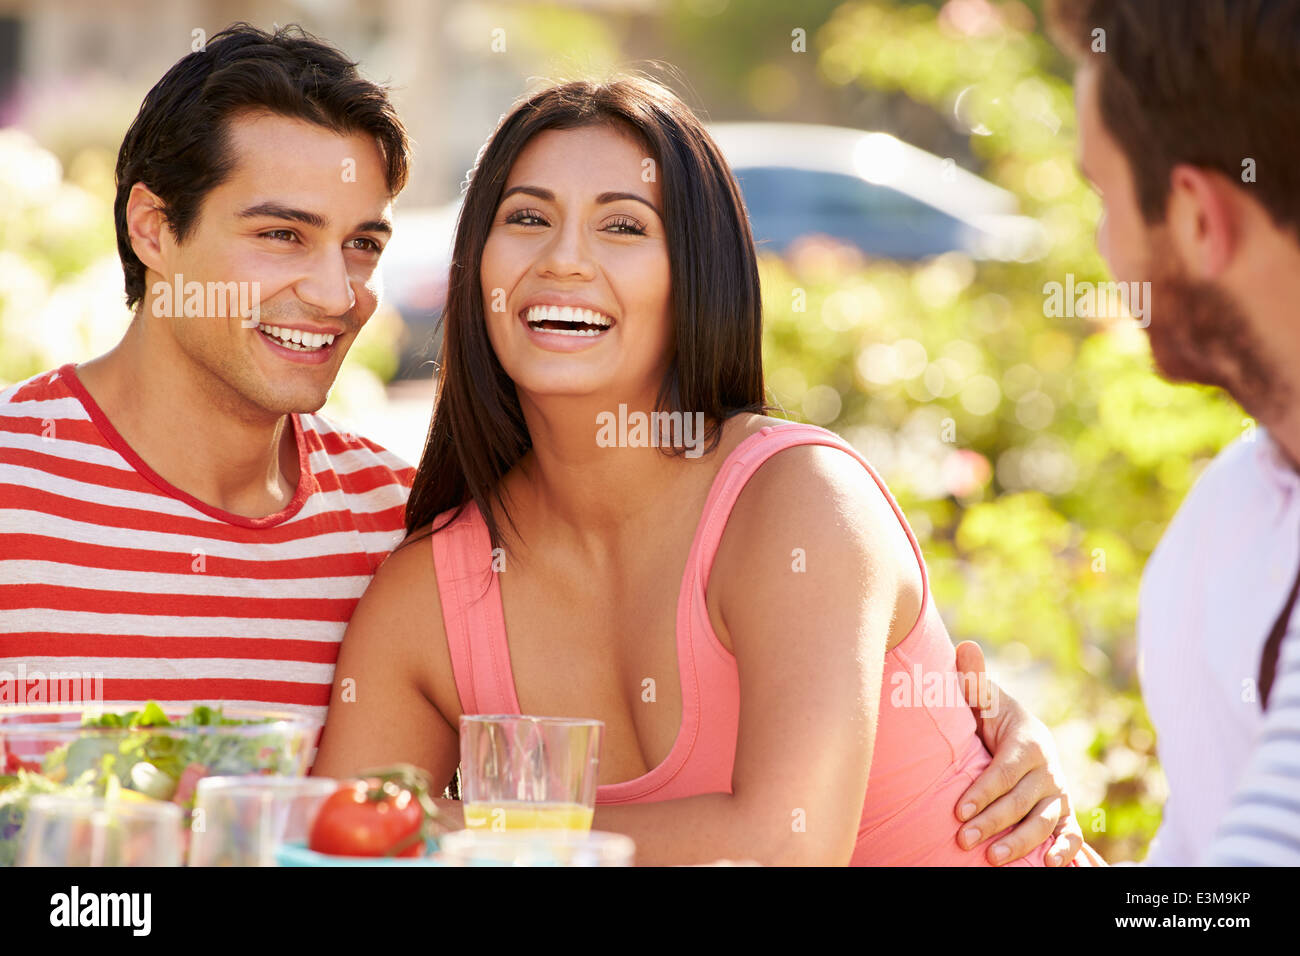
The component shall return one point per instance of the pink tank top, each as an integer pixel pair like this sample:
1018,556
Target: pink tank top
926,751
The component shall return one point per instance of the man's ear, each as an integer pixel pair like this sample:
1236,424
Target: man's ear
145,225
1203,220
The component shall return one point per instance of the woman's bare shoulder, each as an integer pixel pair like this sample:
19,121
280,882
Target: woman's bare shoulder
740,426
402,598
809,501
401,615
748,422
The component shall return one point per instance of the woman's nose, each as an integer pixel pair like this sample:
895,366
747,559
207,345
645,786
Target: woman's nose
568,254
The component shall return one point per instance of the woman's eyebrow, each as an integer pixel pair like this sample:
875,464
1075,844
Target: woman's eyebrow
530,191
615,197
602,199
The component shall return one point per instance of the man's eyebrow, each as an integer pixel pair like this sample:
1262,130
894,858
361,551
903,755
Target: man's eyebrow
376,225
275,210
603,198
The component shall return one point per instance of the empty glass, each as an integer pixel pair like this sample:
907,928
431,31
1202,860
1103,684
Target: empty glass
239,821
94,831
522,773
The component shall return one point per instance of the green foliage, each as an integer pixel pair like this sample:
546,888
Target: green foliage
52,229
1038,458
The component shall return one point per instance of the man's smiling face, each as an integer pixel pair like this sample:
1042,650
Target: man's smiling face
304,214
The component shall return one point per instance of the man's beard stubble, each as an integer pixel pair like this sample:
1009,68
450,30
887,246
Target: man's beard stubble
237,391
1199,333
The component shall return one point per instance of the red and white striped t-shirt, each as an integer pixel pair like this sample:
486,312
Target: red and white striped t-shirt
107,570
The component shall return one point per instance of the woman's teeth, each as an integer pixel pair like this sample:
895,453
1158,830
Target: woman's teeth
565,320
296,339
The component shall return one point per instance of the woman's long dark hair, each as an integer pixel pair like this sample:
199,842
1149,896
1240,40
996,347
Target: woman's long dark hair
478,431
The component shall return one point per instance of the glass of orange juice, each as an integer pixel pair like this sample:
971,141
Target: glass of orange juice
528,773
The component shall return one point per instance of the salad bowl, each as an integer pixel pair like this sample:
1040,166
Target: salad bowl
146,752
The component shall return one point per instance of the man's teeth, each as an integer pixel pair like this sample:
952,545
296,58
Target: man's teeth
595,322
297,339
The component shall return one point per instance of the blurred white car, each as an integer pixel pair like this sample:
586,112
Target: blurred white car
884,196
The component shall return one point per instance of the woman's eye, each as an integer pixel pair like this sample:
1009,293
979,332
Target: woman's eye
526,217
627,226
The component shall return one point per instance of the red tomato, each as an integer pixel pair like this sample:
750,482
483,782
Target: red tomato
368,818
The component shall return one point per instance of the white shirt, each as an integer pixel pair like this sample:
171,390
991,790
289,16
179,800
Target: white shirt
1209,597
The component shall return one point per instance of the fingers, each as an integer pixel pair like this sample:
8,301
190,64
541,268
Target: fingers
1068,842
981,693
1033,807
1011,762
970,665
997,706
1019,791
1068,836
1028,836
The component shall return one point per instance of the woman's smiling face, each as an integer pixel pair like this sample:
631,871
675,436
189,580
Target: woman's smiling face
580,228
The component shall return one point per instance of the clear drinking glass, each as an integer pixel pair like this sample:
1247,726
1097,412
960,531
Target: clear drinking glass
239,821
536,848
94,831
523,773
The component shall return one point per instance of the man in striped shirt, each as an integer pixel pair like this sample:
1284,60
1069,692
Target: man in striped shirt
175,521
1188,128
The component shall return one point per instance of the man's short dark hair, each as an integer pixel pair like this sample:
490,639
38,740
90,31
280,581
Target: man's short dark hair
1211,83
179,143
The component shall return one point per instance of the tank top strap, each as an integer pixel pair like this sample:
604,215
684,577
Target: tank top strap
746,459
472,615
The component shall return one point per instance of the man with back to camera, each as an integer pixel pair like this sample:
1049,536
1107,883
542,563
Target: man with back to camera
1188,130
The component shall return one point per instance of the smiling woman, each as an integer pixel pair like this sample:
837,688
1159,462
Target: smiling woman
651,163
730,615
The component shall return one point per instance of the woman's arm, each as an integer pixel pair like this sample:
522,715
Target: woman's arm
381,708
809,648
